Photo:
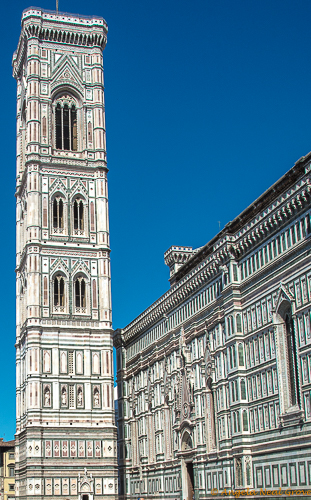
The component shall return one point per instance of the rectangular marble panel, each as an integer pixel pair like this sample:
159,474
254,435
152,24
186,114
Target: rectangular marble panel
48,486
89,445
73,486
97,449
302,473
284,475
48,449
57,486
64,449
73,449
81,445
65,486
293,474
56,449
98,486
275,475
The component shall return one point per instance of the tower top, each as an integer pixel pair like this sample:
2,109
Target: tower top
58,28
62,17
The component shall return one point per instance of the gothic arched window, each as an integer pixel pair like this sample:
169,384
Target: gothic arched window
78,222
80,298
58,215
241,355
245,421
238,323
59,294
292,362
66,124
243,389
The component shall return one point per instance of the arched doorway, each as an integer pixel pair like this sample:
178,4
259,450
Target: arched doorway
187,467
190,480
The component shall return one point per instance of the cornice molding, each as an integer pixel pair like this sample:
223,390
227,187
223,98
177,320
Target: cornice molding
58,27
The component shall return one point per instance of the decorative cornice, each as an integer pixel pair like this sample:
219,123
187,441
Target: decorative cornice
206,272
58,27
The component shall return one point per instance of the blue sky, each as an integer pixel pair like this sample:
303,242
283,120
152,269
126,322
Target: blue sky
207,104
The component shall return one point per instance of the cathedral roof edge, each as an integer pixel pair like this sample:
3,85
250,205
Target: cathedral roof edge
204,264
262,202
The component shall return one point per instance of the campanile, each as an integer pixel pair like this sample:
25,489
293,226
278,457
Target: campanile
65,428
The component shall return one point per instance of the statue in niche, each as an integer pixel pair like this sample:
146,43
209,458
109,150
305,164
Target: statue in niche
80,397
96,398
47,397
64,396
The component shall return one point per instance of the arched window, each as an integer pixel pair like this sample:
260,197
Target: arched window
66,124
243,389
80,299
292,361
245,421
78,222
234,423
58,215
46,362
238,323
59,294
241,355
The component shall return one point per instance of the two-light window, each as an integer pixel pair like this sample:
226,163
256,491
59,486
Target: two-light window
59,216
59,295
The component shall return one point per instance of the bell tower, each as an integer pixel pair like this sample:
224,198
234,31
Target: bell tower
65,427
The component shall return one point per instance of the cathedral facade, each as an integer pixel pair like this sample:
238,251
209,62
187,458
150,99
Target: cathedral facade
65,428
214,378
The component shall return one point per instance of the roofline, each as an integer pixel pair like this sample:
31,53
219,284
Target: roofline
262,202
59,13
7,444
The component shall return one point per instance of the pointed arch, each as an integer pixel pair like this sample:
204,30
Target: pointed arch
286,355
81,293
65,119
